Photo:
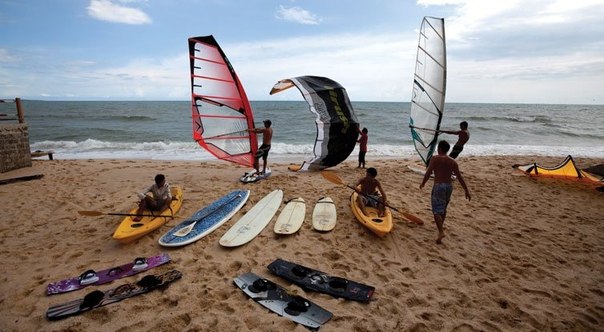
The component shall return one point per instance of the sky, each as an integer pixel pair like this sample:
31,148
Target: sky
512,51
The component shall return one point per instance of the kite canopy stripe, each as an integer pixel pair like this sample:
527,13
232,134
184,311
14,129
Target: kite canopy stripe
429,85
567,170
337,124
221,112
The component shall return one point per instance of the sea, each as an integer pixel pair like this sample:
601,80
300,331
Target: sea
162,130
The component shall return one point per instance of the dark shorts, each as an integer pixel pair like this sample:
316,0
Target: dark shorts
155,204
263,151
362,156
455,151
371,202
441,194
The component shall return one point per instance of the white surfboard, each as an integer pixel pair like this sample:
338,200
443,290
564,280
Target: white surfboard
324,215
254,221
291,217
421,170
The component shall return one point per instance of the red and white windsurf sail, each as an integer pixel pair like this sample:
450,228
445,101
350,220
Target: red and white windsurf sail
221,112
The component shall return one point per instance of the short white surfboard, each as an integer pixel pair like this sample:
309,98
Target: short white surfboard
324,215
291,217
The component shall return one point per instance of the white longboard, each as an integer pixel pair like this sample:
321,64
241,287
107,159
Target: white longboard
324,215
254,221
291,217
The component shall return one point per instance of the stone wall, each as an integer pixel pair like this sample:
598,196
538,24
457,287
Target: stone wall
14,147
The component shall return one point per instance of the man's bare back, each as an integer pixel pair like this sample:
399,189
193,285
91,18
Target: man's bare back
443,167
368,185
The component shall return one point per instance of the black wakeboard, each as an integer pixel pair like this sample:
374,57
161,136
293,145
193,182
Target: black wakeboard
279,301
318,281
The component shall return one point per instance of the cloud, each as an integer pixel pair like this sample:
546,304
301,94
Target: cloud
486,29
370,67
297,14
105,10
5,56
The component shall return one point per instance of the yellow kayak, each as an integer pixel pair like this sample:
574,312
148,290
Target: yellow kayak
378,225
130,230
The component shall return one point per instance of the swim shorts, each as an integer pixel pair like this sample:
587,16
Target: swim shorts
371,202
156,204
263,151
362,156
455,151
441,194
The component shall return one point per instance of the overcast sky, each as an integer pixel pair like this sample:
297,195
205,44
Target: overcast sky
499,51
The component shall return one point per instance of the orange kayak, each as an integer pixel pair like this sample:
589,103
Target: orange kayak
378,225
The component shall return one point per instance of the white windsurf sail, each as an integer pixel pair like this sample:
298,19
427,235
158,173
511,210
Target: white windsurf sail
429,85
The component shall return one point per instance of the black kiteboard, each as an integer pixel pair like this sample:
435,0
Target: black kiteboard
318,281
279,301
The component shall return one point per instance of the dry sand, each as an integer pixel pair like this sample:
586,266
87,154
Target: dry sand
524,255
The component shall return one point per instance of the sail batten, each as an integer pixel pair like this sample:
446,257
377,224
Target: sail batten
429,87
221,112
213,79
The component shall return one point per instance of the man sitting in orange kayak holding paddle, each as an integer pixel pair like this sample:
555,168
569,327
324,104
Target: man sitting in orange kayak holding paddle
370,196
160,200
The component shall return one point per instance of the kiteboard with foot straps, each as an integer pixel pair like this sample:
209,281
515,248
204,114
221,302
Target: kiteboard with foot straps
254,176
318,281
91,277
99,298
279,301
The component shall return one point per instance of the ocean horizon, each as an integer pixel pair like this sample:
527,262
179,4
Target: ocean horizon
161,130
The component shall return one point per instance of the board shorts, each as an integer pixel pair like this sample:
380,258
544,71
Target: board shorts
263,151
455,151
362,156
371,202
441,195
156,204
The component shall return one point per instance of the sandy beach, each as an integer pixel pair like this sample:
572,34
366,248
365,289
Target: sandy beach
524,254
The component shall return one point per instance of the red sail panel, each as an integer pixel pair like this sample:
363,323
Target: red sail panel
221,112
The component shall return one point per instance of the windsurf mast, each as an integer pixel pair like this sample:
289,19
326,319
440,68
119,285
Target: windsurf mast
221,112
429,85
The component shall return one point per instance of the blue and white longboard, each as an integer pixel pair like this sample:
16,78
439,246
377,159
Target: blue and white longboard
206,220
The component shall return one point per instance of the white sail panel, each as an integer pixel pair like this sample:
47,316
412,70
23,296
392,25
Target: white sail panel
429,85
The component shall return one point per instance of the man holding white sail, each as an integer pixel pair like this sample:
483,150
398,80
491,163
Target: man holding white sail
463,137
